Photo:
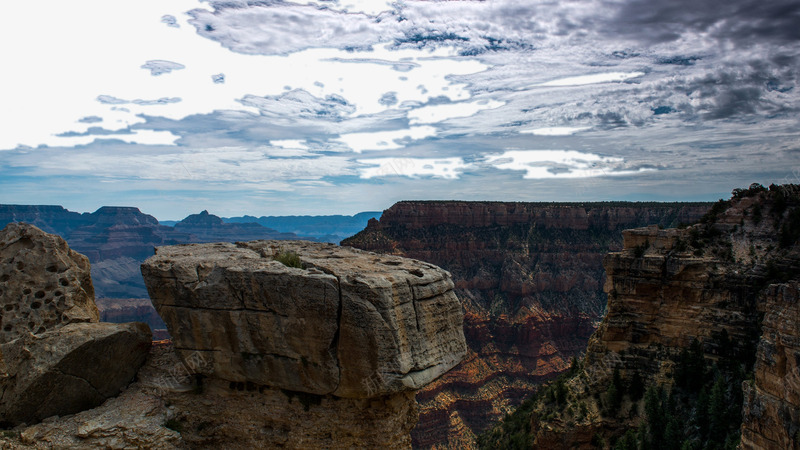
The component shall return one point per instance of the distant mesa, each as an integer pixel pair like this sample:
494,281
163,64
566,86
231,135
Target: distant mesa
119,238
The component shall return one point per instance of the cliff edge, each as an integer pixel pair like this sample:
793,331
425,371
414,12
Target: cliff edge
530,277
698,347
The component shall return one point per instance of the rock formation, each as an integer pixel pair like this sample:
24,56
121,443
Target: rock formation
43,283
669,365
530,276
348,323
772,400
168,409
117,239
321,228
277,344
205,227
55,358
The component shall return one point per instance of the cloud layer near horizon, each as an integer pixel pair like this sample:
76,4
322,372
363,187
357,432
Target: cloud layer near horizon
336,106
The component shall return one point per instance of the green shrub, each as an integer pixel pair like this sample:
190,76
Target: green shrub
290,259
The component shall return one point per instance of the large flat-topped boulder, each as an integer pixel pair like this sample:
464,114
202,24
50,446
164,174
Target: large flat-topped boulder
348,323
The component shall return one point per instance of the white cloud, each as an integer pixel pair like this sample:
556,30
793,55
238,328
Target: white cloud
596,78
559,164
384,140
62,84
231,164
555,131
289,143
440,113
448,168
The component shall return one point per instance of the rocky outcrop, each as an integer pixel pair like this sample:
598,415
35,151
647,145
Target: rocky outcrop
43,283
68,369
343,322
117,239
167,409
530,276
54,358
295,345
674,362
772,399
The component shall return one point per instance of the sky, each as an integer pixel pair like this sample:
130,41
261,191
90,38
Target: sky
335,107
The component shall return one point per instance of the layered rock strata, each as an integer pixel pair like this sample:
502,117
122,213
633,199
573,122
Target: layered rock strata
530,276
684,320
349,323
772,401
55,358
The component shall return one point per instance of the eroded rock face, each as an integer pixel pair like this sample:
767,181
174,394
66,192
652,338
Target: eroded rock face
55,358
69,369
163,409
772,402
530,277
351,323
43,283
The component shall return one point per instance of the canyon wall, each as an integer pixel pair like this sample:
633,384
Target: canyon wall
683,358
530,278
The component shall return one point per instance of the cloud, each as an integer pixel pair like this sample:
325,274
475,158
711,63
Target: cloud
299,103
281,28
447,168
385,140
539,164
159,66
291,97
228,164
583,80
555,131
740,21
440,113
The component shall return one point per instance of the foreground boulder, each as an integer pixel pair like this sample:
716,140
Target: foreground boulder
43,283
70,369
55,358
345,322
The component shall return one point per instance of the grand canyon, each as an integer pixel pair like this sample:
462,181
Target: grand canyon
555,299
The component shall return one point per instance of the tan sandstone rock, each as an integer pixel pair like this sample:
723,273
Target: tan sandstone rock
350,323
55,358
70,369
772,400
43,283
